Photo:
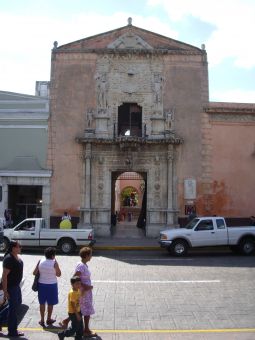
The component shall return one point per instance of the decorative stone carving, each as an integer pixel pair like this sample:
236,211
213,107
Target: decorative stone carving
157,186
101,91
129,162
101,186
130,41
170,156
89,118
100,159
158,85
169,118
156,159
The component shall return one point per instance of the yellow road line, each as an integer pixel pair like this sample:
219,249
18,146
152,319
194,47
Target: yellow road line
156,331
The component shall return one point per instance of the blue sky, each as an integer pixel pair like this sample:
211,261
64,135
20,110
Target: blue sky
29,28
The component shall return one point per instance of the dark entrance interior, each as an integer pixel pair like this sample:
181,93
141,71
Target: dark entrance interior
130,120
129,201
24,201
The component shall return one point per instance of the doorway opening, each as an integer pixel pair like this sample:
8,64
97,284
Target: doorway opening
129,204
24,201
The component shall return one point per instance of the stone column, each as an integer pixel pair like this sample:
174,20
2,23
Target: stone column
170,216
87,212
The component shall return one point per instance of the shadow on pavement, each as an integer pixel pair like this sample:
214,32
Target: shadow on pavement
196,258
22,312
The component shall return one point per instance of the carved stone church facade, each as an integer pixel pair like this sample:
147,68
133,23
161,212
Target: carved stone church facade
132,100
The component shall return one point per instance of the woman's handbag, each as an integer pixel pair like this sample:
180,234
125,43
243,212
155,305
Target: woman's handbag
35,283
36,279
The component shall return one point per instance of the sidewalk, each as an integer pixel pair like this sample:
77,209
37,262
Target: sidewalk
121,243
126,236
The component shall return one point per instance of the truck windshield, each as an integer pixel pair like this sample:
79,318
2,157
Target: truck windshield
192,223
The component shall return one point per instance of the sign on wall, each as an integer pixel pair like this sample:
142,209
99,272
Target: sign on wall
190,189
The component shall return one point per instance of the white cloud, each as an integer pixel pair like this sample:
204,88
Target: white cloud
234,21
25,47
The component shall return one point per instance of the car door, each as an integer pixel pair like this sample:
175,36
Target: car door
204,234
221,232
27,233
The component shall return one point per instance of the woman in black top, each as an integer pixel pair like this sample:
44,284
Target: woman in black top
11,278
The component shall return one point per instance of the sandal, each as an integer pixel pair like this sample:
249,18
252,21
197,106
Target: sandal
41,323
50,321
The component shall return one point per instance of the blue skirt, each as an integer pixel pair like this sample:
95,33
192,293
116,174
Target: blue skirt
48,293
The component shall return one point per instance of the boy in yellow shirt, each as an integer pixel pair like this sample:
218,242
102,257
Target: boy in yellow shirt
74,311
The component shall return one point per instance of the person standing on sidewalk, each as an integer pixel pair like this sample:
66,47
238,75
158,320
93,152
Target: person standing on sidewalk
47,284
74,311
86,300
11,279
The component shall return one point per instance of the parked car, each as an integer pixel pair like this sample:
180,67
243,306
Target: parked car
33,232
208,231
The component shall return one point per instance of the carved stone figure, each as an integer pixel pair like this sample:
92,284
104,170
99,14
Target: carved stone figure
101,91
89,118
169,118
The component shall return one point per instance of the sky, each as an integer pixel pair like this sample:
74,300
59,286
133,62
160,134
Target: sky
28,29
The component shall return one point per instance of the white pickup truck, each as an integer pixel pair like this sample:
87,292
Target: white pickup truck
208,232
33,232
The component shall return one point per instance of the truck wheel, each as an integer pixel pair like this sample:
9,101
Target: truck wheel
4,245
66,246
179,248
247,246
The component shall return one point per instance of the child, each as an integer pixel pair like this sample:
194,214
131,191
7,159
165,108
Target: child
74,311
64,323
4,306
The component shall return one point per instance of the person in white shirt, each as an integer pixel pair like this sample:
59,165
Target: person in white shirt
47,284
66,216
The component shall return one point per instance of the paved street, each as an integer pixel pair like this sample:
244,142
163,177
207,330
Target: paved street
150,295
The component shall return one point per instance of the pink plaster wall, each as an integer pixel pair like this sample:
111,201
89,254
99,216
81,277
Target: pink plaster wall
233,169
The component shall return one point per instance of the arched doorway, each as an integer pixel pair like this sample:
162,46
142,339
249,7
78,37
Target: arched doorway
128,204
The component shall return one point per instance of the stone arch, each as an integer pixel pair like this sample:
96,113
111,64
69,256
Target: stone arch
129,181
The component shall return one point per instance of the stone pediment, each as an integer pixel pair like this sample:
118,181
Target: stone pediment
129,40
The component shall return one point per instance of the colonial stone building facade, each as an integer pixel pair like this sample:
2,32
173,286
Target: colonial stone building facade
130,100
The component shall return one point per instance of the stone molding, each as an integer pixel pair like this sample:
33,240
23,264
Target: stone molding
130,140
126,51
232,117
